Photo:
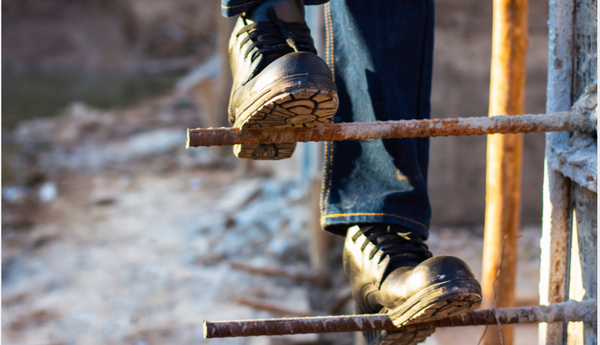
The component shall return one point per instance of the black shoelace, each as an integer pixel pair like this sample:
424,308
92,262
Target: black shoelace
403,248
275,38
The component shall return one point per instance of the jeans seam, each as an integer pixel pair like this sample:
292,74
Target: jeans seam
330,42
328,168
373,214
325,165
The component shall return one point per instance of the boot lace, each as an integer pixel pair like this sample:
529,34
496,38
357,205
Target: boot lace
402,247
275,38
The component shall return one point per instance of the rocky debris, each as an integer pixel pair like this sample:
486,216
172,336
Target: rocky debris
133,235
84,139
129,237
48,192
127,272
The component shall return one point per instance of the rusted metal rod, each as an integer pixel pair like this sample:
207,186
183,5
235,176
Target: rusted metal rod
563,121
567,311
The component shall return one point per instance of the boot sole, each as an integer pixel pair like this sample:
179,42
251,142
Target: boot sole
437,302
398,338
295,105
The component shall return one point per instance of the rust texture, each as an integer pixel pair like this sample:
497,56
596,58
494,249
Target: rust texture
563,121
567,311
504,161
555,248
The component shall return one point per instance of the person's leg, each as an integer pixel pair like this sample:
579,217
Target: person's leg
375,192
381,55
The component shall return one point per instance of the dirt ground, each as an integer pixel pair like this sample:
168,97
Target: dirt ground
128,238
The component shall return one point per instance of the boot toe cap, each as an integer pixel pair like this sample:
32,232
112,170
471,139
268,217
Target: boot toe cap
439,269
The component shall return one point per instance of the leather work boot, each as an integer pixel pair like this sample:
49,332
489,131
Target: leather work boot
278,80
391,271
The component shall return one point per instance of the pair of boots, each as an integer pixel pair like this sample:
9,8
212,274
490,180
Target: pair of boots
279,81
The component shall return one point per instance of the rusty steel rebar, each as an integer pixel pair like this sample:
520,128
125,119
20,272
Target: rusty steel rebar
504,162
567,311
563,121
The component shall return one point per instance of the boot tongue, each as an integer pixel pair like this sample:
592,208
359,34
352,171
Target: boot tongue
286,10
272,21
404,247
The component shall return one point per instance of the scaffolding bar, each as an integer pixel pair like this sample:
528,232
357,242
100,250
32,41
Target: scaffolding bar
562,121
567,311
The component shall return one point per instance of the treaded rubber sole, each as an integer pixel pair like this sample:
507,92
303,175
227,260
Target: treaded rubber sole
301,107
437,303
264,151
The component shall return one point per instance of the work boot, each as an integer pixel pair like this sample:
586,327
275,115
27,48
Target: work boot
278,80
391,271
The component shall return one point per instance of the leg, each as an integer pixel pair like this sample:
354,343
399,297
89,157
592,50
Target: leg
382,62
375,192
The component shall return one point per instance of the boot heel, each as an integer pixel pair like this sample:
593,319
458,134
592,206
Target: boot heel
304,107
264,151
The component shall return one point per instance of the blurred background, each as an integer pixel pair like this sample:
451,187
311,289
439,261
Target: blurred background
114,233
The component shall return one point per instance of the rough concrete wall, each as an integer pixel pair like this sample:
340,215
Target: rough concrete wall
583,270
585,46
572,51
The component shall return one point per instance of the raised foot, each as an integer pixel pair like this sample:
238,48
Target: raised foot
308,107
298,108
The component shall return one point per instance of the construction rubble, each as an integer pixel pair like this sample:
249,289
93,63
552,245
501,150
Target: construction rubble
114,233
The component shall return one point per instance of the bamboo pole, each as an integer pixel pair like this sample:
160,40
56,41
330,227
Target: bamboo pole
504,159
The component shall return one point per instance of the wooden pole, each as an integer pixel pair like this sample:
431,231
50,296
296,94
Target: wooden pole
504,158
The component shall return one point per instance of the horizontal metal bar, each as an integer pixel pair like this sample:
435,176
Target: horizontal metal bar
564,121
567,311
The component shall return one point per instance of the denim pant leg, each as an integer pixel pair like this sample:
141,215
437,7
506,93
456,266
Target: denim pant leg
230,8
381,55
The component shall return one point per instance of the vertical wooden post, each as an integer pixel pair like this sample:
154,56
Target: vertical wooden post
504,158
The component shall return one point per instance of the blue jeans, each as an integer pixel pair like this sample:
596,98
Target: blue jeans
381,55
